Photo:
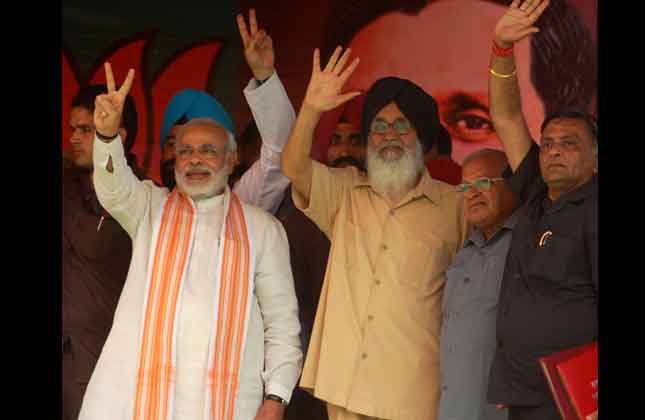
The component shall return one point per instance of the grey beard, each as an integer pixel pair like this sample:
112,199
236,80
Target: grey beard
208,190
392,177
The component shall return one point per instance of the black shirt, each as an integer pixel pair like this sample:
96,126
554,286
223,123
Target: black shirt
549,293
95,261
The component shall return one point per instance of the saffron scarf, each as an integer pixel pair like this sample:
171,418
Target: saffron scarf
173,239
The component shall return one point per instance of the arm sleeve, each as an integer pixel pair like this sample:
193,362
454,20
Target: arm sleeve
527,178
328,186
277,300
263,184
120,192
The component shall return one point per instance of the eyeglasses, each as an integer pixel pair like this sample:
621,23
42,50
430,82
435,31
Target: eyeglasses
567,144
207,151
482,184
400,126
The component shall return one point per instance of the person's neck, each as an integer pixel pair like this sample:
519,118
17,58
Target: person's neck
490,231
557,190
202,198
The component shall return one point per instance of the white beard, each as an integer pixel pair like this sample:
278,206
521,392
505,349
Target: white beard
215,184
397,176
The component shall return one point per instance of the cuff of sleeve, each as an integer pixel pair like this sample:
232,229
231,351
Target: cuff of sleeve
103,151
254,85
279,390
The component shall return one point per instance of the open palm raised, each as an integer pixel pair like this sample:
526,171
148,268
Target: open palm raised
517,22
323,92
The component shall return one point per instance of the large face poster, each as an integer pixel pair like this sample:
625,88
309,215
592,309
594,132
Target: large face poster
444,46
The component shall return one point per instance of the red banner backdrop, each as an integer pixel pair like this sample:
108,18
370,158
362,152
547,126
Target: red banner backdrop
190,68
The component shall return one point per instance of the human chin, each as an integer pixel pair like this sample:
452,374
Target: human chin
200,183
394,175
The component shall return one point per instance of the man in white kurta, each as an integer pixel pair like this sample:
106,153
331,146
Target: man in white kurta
271,358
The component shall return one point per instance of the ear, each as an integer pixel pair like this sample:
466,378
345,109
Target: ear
123,133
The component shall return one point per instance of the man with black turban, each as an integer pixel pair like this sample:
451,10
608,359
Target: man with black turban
374,349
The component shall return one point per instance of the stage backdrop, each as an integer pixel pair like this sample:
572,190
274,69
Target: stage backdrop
442,45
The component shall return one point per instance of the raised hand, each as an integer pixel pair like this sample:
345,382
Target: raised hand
258,47
517,22
108,107
323,92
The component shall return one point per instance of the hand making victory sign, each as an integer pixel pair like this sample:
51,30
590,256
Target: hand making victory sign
108,107
258,47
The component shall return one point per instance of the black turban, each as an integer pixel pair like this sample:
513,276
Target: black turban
418,107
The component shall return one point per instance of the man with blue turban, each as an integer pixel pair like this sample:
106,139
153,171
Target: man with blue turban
263,185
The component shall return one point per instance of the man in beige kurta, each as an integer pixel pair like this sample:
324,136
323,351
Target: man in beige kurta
374,350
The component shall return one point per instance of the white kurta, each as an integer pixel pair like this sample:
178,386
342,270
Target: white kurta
272,357
263,184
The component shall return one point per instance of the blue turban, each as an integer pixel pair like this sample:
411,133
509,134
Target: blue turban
193,103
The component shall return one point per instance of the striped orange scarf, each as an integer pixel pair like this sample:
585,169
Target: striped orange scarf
172,241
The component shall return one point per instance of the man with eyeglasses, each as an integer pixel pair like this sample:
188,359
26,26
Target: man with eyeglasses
207,324
549,293
262,184
472,289
374,349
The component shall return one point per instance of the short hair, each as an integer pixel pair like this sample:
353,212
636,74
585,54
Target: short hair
85,98
589,120
231,145
480,153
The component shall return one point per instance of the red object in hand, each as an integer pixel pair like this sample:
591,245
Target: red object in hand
573,378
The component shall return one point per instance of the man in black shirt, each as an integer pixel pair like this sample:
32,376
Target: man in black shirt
549,291
96,251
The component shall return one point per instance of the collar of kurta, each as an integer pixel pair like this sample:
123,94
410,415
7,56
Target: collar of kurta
427,187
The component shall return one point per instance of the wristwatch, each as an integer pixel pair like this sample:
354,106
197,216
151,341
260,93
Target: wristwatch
274,397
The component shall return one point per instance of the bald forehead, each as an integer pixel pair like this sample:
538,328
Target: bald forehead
494,161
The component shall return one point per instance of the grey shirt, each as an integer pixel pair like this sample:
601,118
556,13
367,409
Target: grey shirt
468,329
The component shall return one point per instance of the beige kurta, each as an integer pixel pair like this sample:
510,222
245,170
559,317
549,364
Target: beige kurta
375,343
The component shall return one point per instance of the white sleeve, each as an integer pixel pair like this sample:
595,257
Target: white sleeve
120,192
276,295
263,184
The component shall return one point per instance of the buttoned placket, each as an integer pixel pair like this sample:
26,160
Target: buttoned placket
377,288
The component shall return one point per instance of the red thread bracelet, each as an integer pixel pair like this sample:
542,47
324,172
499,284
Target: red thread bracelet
502,52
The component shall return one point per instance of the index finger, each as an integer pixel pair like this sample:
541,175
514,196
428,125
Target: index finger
244,33
109,77
125,87
253,22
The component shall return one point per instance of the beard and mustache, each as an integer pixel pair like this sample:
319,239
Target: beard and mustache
394,175
213,185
